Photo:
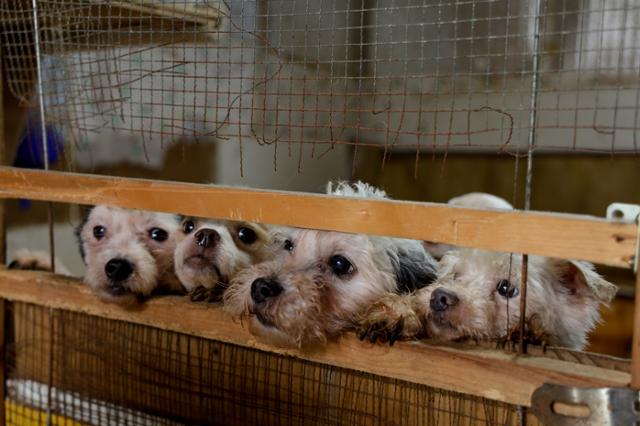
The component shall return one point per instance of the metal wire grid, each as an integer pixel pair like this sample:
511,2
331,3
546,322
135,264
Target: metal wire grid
99,371
402,74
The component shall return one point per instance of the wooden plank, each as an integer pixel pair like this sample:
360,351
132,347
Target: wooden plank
546,234
99,16
97,25
488,373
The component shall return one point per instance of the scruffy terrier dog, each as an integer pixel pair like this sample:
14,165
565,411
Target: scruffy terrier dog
477,296
210,252
321,280
473,200
128,253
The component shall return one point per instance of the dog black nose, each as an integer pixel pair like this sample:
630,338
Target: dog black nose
118,269
441,300
262,289
206,237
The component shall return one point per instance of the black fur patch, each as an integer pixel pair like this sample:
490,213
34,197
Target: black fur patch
78,231
414,270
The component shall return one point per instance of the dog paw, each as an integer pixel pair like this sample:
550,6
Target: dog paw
208,295
35,260
389,319
534,334
30,260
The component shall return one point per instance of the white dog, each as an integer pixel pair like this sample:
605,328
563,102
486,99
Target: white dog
128,253
211,252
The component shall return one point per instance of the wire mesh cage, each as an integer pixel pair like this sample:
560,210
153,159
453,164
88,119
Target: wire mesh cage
416,75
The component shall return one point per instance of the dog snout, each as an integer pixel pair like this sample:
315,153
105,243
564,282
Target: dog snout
118,270
263,289
442,299
206,238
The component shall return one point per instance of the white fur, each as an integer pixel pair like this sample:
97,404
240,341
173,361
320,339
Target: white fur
224,258
127,237
563,297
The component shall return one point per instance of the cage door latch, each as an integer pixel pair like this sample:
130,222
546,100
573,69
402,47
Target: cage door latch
570,406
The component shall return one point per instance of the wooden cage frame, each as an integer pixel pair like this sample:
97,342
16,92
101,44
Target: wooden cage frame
556,235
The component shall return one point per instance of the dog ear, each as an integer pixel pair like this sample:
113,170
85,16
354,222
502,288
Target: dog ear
580,279
437,250
414,269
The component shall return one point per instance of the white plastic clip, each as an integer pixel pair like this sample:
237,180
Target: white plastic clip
636,258
627,213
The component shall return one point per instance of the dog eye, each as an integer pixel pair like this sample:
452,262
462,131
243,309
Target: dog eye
288,245
340,265
247,235
158,234
188,226
505,289
98,232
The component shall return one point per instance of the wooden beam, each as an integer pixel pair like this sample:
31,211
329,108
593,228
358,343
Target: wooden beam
545,234
95,25
488,373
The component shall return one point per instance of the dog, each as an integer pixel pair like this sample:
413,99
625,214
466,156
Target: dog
477,296
318,283
472,200
128,253
211,252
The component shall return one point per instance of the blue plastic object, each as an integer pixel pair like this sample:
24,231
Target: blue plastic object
30,153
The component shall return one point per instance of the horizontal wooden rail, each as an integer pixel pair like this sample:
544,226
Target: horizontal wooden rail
488,373
69,17
546,234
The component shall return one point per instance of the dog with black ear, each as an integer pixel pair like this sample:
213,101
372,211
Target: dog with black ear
477,296
320,281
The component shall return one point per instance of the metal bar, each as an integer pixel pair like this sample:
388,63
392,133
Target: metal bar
43,128
531,142
45,154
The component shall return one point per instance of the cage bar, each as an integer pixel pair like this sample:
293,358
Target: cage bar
546,234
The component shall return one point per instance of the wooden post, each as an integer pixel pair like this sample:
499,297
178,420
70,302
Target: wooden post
635,349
